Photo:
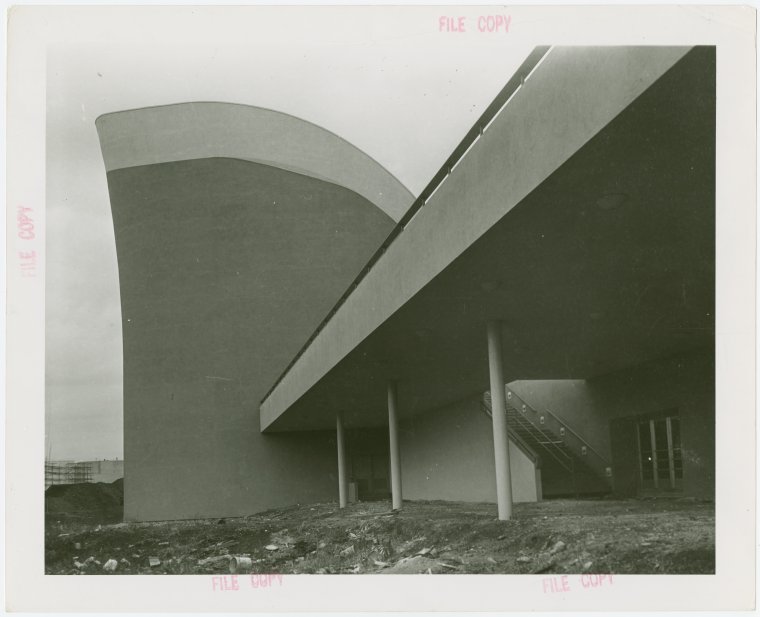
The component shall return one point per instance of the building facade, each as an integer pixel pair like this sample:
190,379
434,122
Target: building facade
538,322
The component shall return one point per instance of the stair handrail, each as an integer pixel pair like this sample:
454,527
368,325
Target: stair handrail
521,443
569,428
562,423
548,438
549,444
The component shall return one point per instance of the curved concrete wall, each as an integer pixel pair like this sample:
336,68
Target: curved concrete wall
226,266
187,131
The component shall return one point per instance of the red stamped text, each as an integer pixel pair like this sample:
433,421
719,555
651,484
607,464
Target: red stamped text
232,582
491,24
25,230
563,584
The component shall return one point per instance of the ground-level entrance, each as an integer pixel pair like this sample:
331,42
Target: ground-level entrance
368,464
660,459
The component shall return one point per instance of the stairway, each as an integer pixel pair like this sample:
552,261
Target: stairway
569,465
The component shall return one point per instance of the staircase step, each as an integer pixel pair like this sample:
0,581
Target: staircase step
542,438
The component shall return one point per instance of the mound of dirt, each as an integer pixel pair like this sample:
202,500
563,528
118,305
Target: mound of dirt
85,497
436,537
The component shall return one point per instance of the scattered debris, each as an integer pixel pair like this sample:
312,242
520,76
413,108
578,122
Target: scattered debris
240,563
283,540
409,565
559,546
213,560
111,565
546,568
461,538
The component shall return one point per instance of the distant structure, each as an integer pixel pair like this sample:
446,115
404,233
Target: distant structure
66,472
76,472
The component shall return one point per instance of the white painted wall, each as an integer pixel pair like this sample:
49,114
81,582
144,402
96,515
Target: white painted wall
448,454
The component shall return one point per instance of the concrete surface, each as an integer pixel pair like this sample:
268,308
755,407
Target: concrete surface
448,454
548,120
199,130
225,268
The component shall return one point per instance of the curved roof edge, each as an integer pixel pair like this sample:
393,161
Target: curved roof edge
186,131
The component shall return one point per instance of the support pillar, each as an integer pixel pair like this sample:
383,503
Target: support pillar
499,418
395,454
342,475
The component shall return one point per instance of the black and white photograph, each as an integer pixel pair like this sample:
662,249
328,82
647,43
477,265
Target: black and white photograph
326,294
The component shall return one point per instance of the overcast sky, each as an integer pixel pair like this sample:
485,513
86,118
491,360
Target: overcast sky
387,81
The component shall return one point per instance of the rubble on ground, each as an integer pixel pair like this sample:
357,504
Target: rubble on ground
561,536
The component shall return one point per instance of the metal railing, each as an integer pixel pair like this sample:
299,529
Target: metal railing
575,434
548,444
517,80
518,439
570,438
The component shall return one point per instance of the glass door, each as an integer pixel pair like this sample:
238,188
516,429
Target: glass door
660,463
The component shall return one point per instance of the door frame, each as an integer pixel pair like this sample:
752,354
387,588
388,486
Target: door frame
674,483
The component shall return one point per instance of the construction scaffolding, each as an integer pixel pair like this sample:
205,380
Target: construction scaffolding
67,472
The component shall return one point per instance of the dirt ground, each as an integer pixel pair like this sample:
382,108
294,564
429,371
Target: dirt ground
601,536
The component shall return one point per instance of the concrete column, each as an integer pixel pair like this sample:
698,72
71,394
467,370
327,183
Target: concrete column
499,418
342,475
395,454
